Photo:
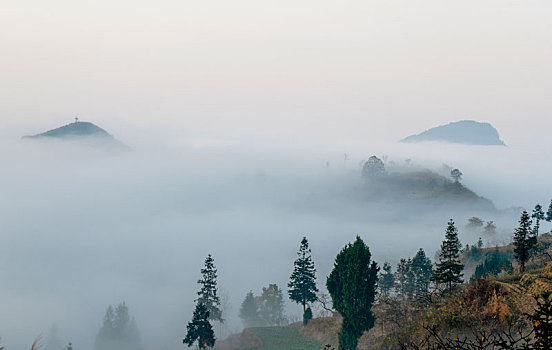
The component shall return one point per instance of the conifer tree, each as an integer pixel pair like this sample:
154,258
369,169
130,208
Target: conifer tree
386,280
200,329
302,285
402,278
549,213
208,292
352,286
421,268
538,215
118,331
249,311
448,270
524,240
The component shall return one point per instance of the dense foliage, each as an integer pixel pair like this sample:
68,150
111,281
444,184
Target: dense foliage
448,270
208,292
352,286
302,285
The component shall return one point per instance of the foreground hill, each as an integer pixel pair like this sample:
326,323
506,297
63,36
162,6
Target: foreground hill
80,132
468,132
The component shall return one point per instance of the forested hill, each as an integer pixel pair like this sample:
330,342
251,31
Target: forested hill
80,131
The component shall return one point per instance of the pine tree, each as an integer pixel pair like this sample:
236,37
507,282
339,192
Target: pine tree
524,240
448,270
538,215
352,286
200,329
386,281
402,285
208,292
271,305
421,268
549,213
302,285
249,311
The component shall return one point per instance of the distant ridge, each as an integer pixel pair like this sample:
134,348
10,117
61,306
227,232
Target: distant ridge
81,131
467,132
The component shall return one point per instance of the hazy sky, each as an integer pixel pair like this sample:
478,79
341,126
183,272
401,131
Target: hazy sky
316,70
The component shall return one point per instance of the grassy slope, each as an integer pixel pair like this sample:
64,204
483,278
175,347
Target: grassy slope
283,338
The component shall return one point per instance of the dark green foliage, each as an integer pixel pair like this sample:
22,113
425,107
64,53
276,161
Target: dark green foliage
549,213
421,268
386,281
413,276
302,285
495,262
118,331
208,292
271,306
448,270
538,215
307,316
542,321
200,329
352,286
249,312
524,240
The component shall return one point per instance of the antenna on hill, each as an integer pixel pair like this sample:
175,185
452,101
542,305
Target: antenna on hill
76,119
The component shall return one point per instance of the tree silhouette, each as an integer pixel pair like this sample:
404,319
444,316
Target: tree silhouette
208,292
524,240
352,286
200,329
302,285
448,270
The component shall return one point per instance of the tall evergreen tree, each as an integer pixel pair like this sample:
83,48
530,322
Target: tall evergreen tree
200,329
524,240
549,213
208,292
271,305
448,270
402,280
352,286
249,311
302,285
421,268
538,215
386,280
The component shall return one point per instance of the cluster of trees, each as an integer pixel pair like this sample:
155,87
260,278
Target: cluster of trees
353,282
264,310
118,330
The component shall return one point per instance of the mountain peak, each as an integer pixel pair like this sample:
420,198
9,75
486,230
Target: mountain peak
80,131
467,132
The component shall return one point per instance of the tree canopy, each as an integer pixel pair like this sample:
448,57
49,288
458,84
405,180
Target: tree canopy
352,286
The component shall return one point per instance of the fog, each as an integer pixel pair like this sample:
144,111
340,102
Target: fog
238,115
83,228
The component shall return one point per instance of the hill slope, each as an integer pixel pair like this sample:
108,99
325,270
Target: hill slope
80,131
468,132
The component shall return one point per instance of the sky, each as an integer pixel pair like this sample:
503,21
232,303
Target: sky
308,71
